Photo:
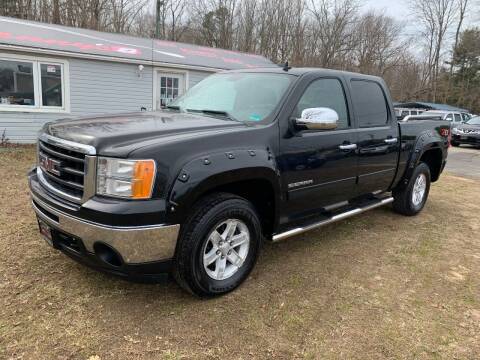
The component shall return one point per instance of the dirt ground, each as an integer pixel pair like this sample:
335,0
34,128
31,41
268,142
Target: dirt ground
376,286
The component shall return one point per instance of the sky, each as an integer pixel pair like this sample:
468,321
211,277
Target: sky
401,11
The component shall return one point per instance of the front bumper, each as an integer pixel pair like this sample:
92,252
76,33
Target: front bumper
139,248
473,139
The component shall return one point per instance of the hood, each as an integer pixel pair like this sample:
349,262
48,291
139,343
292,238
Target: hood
109,134
468,127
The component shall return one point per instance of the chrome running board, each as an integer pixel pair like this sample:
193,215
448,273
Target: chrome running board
347,214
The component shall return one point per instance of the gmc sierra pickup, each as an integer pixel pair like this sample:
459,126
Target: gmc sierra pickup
243,157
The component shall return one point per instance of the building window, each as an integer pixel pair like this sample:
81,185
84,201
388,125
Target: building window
51,84
30,85
169,89
16,83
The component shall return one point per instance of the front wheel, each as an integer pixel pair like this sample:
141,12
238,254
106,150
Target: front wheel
411,199
218,246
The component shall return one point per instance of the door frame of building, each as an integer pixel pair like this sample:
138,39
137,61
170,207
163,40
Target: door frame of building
157,72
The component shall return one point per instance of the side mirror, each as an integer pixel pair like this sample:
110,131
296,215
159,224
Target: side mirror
318,119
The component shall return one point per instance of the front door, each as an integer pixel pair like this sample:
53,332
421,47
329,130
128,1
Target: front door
319,166
169,87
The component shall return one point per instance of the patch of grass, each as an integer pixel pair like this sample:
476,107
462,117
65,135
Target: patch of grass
375,286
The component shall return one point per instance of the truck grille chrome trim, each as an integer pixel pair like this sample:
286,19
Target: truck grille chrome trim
67,169
334,218
68,145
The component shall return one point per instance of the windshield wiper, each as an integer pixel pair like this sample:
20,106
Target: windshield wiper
214,112
173,107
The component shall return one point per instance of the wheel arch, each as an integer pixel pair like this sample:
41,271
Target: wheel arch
252,177
433,157
428,149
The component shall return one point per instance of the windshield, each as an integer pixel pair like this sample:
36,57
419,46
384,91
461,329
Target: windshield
242,96
474,121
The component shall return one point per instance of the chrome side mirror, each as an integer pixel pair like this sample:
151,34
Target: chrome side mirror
320,118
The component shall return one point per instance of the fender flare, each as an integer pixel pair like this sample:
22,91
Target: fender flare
207,172
426,141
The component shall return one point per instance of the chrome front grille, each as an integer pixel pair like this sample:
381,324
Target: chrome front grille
471,131
65,168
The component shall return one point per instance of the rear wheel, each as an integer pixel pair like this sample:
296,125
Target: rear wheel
454,143
411,199
218,246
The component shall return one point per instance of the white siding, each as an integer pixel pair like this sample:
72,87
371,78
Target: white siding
96,87
196,76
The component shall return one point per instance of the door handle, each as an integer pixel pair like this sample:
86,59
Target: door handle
348,147
390,140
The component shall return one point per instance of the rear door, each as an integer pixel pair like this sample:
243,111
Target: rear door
378,143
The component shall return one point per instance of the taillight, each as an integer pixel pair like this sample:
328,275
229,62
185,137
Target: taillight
445,132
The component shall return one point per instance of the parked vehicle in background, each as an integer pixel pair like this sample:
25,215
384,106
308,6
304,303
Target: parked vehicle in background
467,132
243,156
401,113
455,118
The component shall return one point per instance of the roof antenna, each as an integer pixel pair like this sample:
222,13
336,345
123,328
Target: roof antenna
286,67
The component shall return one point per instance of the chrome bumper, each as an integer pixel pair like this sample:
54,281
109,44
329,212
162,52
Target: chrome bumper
136,245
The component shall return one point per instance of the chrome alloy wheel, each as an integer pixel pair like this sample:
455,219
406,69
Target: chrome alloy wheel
226,249
419,189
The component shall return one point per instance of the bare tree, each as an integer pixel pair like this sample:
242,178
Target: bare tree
436,16
462,9
377,45
331,31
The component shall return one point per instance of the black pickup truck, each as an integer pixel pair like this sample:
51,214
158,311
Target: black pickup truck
243,157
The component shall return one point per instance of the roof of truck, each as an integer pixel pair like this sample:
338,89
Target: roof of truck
298,71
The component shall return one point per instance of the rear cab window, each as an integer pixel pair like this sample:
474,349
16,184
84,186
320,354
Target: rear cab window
369,103
458,118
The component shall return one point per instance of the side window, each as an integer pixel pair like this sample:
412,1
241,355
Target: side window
369,103
449,117
413,113
325,93
404,113
458,118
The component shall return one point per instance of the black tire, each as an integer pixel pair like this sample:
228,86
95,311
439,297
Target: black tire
454,143
403,201
204,218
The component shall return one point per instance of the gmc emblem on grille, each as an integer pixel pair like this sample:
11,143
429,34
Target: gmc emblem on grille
49,165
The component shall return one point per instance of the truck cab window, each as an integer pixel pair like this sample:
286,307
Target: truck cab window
325,93
369,103
458,118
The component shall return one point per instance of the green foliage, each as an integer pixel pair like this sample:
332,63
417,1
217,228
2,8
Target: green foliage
465,77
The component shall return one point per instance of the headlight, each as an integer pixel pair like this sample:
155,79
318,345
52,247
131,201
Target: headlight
132,179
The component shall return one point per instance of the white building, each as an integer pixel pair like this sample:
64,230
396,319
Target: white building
48,72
